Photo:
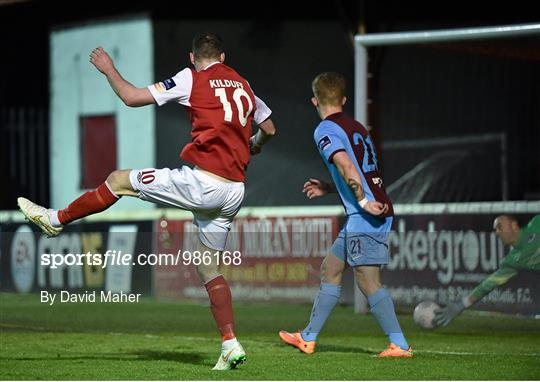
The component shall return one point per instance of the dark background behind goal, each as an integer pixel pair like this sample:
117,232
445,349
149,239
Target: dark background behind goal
417,93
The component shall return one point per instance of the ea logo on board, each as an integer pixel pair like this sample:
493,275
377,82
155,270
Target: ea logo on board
23,259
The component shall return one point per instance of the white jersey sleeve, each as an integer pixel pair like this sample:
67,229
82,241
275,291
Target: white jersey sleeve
174,89
262,112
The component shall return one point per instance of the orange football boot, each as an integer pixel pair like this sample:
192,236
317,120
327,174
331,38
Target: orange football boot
395,351
296,340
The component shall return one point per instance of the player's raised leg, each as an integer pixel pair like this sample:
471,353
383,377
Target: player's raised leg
219,293
105,195
325,302
382,308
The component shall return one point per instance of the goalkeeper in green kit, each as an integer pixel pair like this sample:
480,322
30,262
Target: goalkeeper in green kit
525,255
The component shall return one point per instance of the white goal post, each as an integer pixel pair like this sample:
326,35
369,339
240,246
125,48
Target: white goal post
363,42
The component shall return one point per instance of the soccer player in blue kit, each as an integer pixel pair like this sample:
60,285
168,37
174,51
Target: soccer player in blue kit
348,152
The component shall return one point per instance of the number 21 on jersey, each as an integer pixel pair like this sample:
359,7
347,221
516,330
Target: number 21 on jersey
238,94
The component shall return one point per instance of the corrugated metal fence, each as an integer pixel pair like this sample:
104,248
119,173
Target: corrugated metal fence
24,148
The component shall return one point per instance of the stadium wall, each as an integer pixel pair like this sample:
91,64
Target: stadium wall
79,90
438,251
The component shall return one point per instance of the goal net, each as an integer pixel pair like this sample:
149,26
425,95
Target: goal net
456,115
456,112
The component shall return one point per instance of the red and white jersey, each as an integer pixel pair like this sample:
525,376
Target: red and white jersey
221,106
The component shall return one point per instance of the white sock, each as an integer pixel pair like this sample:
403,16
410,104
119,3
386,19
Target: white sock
53,216
228,343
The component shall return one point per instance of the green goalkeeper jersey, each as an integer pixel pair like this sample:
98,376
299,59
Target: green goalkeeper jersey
524,255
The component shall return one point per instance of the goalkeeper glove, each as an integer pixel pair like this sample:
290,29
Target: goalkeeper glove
448,312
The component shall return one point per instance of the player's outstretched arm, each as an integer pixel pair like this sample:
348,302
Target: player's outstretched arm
131,96
448,312
350,174
314,188
266,131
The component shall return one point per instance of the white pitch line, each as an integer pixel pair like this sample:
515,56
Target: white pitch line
12,326
470,353
154,336
442,352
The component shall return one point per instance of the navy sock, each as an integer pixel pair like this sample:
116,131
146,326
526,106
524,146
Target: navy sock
324,303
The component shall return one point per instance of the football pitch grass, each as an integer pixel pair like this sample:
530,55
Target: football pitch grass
178,341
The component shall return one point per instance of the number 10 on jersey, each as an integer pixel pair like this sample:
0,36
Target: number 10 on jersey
238,94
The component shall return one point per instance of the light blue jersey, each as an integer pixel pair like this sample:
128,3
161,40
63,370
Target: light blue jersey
363,238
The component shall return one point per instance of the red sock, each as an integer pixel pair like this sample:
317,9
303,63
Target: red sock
221,306
88,203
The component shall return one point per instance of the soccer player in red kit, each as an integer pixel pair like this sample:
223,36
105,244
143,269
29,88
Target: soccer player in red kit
222,107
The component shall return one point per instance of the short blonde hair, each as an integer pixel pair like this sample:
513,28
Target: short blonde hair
329,88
